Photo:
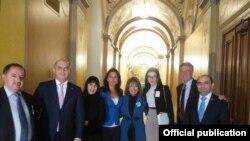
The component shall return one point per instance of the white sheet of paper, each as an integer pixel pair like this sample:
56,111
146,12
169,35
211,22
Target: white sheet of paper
163,118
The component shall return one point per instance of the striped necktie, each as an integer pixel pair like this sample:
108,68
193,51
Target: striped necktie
23,119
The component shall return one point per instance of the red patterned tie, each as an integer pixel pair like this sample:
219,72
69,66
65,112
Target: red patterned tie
183,99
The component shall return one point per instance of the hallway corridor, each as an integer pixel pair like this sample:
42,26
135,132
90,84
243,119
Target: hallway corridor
132,36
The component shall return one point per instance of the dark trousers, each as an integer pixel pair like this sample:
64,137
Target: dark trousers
131,133
92,133
57,137
111,133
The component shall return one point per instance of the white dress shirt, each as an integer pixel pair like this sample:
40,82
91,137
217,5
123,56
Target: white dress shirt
13,106
208,96
150,95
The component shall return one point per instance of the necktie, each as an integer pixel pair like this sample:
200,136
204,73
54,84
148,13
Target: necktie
23,119
60,95
183,99
202,108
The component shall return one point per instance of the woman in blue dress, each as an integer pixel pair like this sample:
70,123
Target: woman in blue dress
133,106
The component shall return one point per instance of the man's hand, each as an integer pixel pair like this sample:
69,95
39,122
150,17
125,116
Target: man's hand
77,139
86,122
222,97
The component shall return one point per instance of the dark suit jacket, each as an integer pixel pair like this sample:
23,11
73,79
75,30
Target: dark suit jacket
70,115
215,113
193,92
7,129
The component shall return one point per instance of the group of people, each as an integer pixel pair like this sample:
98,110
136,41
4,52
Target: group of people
58,111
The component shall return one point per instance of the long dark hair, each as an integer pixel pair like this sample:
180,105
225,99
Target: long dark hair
91,79
147,85
133,80
117,86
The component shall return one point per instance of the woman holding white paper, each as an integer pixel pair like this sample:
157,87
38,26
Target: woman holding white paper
159,102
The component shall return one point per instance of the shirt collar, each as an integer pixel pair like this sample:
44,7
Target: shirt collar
59,83
8,91
189,82
153,87
208,96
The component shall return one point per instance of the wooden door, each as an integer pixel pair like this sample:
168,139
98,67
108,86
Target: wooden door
236,71
242,71
229,69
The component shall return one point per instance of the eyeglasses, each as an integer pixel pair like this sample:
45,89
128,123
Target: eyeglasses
152,77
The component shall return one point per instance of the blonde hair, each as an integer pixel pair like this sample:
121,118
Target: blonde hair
62,60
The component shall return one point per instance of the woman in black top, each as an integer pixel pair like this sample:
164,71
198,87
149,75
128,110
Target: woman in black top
94,112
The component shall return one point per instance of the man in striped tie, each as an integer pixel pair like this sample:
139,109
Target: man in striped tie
17,110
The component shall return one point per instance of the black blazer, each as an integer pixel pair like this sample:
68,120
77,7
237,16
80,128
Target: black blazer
216,112
164,105
193,92
7,129
70,115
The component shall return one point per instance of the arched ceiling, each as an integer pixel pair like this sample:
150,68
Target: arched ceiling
122,13
143,25
143,41
143,31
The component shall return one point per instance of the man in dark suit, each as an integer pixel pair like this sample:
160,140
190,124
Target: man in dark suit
16,106
211,110
186,89
61,104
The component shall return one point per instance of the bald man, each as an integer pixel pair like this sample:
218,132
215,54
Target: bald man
61,106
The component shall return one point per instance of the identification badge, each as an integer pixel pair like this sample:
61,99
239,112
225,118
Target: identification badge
157,94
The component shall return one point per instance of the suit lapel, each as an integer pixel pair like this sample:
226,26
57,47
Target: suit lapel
5,103
138,104
31,111
126,106
68,94
178,95
54,94
209,109
5,106
193,89
196,101
179,90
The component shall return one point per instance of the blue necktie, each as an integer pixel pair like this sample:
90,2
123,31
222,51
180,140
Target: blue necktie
202,108
23,119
